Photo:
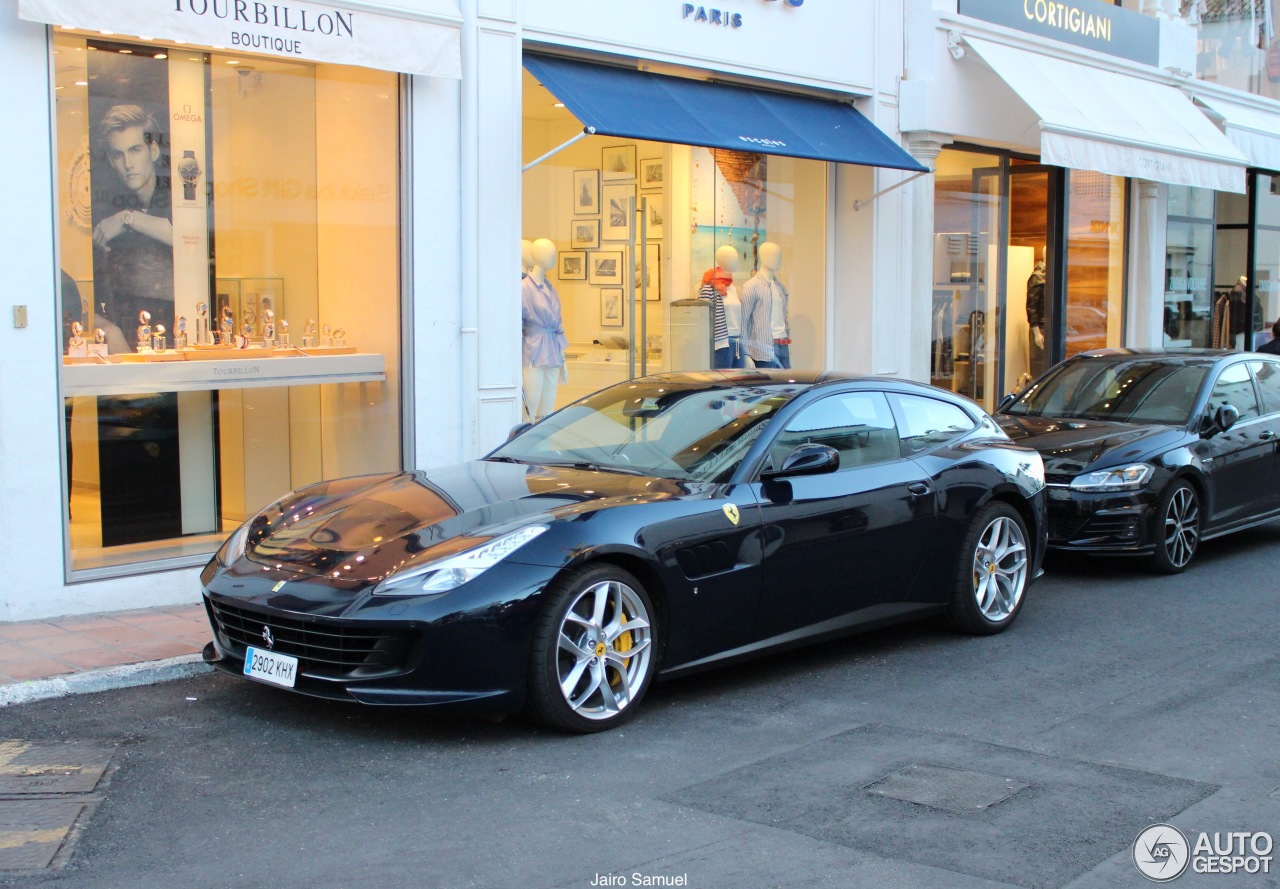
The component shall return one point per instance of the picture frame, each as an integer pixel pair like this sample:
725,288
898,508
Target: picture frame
656,204
612,307
618,162
617,221
605,267
586,192
653,261
584,234
653,173
573,265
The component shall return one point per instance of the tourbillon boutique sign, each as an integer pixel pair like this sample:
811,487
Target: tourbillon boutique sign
1091,24
284,28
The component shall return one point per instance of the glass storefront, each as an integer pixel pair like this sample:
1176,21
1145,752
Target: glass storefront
231,298
1004,307
1211,299
1237,45
732,245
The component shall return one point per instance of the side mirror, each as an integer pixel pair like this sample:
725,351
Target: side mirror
806,459
1222,419
1006,402
519,429
1226,417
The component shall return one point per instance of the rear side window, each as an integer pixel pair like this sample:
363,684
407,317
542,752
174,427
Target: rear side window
1235,387
928,422
1268,376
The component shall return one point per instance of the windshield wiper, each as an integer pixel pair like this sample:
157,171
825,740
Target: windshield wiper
586,466
505,459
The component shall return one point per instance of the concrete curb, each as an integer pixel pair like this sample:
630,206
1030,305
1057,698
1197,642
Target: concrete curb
106,679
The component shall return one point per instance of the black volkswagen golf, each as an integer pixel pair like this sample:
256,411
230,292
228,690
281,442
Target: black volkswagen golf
1150,453
661,526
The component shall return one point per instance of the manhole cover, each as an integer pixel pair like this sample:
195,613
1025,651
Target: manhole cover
946,788
32,831
28,768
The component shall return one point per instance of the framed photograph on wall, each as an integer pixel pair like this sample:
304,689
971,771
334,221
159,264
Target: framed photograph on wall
617,212
586,192
606,267
584,234
656,204
653,265
611,307
573,265
652,172
618,162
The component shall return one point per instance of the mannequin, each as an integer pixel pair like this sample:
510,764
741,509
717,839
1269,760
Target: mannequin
543,328
526,257
766,326
1035,319
726,312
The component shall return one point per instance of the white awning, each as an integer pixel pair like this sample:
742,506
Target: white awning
1254,131
1114,123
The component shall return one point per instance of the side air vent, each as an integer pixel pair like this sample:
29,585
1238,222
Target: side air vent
705,559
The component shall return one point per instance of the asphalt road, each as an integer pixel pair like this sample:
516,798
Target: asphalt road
903,758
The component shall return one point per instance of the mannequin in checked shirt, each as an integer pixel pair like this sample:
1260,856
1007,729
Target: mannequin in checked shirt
766,327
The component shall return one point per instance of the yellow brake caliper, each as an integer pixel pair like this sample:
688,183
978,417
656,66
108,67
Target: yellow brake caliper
622,645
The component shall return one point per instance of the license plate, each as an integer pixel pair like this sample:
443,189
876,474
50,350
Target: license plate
278,669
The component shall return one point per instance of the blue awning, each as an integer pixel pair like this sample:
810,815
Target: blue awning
630,104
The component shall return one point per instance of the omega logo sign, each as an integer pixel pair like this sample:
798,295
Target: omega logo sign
723,17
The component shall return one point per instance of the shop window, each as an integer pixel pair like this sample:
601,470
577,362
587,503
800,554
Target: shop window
229,248
1266,269
1188,290
1095,262
1237,45
654,257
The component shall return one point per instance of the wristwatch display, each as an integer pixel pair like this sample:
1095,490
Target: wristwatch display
189,173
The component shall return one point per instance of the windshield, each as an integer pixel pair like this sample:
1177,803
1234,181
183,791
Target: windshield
1135,391
681,430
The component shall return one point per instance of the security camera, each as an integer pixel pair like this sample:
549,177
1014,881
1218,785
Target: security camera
246,70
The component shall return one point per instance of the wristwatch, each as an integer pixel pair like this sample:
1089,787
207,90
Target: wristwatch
126,218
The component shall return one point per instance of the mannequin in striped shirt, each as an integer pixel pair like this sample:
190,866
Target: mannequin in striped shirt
726,313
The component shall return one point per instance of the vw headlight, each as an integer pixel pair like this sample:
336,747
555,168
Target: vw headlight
1128,478
453,572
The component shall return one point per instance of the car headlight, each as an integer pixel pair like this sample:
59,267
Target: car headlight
453,572
233,548
1128,478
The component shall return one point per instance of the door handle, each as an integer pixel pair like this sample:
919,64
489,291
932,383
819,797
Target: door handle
1266,435
918,489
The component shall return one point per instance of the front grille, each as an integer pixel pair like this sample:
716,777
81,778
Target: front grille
1059,478
1095,529
326,650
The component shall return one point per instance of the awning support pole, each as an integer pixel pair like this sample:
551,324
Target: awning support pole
587,131
858,205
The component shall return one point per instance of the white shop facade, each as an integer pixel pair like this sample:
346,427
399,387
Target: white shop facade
322,205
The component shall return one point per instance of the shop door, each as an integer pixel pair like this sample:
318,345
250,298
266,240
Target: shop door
1012,308
1030,329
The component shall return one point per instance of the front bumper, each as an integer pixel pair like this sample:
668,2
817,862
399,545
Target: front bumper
469,647
1122,523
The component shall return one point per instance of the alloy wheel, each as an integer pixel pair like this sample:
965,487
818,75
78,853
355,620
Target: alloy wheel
1182,527
604,650
1000,568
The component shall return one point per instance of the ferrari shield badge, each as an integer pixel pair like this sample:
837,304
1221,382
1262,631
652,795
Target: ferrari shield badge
731,511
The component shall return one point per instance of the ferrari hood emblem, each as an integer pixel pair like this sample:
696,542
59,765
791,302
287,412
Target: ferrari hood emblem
731,511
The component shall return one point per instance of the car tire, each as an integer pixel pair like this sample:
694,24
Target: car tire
1178,523
594,650
994,569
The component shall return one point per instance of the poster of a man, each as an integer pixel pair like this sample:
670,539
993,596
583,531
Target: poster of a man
132,206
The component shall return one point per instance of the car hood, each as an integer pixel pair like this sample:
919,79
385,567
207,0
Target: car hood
1071,446
360,531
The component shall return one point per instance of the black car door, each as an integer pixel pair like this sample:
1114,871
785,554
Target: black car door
843,546
1240,458
1267,373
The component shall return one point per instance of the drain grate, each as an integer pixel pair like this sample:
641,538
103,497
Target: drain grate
941,787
